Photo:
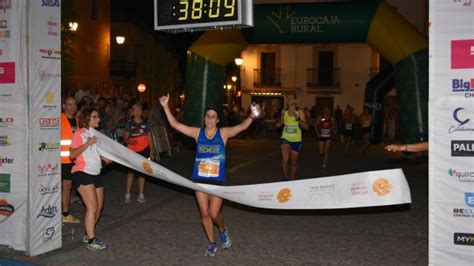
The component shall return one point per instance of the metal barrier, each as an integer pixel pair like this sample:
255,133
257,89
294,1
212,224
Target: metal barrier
160,137
161,140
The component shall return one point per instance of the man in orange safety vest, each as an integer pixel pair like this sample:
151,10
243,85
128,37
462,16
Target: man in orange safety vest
69,124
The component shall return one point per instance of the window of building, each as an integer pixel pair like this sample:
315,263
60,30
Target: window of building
267,63
326,68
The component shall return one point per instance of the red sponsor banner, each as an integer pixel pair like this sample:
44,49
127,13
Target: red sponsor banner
462,54
7,72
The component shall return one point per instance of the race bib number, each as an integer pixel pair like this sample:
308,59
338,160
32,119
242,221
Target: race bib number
325,132
208,168
290,129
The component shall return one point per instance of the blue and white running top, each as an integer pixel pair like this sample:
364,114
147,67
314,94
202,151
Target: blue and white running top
209,165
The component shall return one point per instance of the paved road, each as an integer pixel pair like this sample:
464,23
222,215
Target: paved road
166,229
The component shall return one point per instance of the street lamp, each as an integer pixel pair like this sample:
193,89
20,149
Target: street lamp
239,61
141,87
229,95
234,78
120,40
73,26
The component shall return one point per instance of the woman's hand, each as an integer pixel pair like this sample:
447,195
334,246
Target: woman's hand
393,148
91,140
164,100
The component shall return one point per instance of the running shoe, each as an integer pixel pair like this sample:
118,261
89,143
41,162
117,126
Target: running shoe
70,219
127,198
141,198
211,250
75,199
225,239
85,239
96,246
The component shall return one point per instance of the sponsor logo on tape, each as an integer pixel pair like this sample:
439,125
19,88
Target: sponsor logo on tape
284,195
382,187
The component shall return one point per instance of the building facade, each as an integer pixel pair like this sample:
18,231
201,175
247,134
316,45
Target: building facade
91,44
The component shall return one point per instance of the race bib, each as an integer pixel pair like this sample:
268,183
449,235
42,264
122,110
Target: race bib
290,129
325,132
208,168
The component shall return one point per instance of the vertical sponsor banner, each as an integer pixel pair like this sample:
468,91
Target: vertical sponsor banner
13,124
44,121
451,170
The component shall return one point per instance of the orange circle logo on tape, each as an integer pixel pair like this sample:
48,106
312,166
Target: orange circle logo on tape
382,186
284,195
147,167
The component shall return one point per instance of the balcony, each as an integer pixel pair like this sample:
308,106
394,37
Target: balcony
323,80
123,69
267,78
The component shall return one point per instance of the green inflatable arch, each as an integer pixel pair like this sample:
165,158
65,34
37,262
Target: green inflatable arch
371,21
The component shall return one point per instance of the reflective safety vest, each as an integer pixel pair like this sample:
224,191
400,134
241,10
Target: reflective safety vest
66,138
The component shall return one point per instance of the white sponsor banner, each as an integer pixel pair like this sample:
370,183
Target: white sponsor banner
12,44
375,188
451,171
451,162
13,125
451,49
44,122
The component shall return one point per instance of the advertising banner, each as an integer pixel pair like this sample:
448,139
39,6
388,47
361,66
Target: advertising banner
44,122
309,23
375,188
13,124
451,170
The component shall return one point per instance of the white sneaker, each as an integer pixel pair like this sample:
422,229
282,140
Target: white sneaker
127,198
141,198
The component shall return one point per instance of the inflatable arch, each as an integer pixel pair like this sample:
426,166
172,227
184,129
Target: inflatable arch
371,21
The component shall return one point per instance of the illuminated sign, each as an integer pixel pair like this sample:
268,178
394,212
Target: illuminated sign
191,15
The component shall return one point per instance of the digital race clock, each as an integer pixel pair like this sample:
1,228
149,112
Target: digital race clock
191,15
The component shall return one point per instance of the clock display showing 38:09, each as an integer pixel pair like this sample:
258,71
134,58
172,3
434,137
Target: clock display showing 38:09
199,11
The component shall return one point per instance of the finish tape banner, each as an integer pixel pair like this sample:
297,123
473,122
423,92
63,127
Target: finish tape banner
366,189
